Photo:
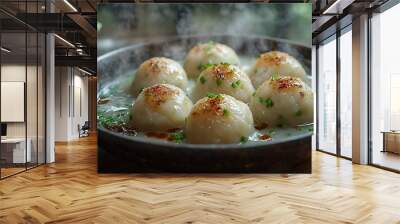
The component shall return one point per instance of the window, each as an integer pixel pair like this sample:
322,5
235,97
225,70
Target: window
346,92
327,96
22,75
385,89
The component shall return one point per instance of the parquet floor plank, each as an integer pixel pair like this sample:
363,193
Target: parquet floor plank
71,191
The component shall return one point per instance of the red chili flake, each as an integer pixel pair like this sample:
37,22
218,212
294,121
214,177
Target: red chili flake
156,95
286,83
274,58
160,135
211,106
264,137
222,71
301,94
156,65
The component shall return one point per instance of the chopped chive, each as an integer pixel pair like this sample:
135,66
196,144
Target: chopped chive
203,80
298,113
177,137
243,139
202,67
225,112
235,84
274,77
219,82
213,95
269,102
224,64
271,131
254,94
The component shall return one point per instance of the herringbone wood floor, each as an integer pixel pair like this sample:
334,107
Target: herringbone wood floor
70,191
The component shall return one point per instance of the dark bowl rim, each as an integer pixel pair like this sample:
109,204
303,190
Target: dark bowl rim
160,143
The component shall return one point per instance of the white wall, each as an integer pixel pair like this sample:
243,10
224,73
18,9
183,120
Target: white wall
71,102
62,81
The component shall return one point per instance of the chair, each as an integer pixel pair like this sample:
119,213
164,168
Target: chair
84,130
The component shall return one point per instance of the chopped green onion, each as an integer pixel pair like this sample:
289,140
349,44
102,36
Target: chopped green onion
203,80
202,67
274,77
225,112
235,84
224,64
214,95
243,139
177,137
271,131
267,102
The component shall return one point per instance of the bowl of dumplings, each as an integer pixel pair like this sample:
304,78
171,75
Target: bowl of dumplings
206,104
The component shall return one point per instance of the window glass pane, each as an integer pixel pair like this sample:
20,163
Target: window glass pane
385,83
327,97
15,150
31,97
346,94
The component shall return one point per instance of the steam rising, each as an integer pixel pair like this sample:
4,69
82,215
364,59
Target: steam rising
127,24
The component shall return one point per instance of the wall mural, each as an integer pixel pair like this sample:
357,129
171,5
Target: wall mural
204,88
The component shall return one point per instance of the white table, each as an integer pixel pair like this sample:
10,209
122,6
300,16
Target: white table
18,145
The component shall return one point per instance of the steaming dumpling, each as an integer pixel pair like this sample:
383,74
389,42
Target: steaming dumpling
160,108
282,101
219,118
208,53
272,63
159,70
223,78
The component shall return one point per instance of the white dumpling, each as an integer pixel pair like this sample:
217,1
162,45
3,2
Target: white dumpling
204,54
226,79
275,63
159,70
282,101
219,119
160,107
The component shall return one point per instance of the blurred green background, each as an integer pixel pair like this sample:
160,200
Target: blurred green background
125,24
